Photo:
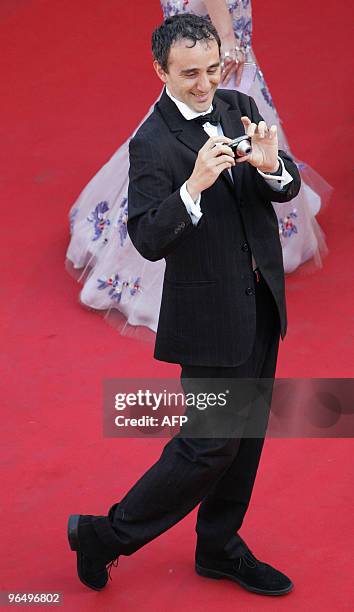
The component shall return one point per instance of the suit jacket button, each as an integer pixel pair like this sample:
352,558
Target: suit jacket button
249,291
245,247
182,224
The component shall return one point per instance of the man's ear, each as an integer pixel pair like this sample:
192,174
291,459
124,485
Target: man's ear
160,71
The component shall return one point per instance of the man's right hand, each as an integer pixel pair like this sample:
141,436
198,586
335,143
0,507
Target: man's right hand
211,161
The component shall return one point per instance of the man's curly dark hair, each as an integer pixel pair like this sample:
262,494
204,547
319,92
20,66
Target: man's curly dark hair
188,26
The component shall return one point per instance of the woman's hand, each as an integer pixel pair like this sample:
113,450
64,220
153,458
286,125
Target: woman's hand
232,62
232,57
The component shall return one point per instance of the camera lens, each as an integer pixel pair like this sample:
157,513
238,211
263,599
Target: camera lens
244,148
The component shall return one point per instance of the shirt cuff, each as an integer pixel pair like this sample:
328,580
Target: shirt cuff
193,208
277,182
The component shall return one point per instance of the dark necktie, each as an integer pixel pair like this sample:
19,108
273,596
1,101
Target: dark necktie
213,118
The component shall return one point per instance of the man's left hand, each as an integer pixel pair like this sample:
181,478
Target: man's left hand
264,155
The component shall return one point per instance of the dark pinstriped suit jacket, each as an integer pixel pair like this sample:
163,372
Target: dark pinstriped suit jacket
208,313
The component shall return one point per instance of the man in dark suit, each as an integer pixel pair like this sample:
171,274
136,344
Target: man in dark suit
209,214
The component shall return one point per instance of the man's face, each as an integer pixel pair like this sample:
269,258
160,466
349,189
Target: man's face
193,72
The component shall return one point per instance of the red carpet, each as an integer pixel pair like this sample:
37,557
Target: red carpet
76,78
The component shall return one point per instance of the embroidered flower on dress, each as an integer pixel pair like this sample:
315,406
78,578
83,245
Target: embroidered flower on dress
99,220
287,226
72,216
233,6
134,286
117,286
174,7
122,221
264,89
242,27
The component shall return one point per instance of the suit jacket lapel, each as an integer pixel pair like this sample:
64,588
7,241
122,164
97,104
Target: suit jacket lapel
186,131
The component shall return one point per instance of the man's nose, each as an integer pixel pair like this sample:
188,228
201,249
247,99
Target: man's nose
203,83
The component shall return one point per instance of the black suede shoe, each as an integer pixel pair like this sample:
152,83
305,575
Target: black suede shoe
250,573
93,571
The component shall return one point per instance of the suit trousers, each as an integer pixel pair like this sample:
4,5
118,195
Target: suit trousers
217,473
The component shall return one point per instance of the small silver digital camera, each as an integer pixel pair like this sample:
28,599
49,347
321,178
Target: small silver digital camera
241,146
